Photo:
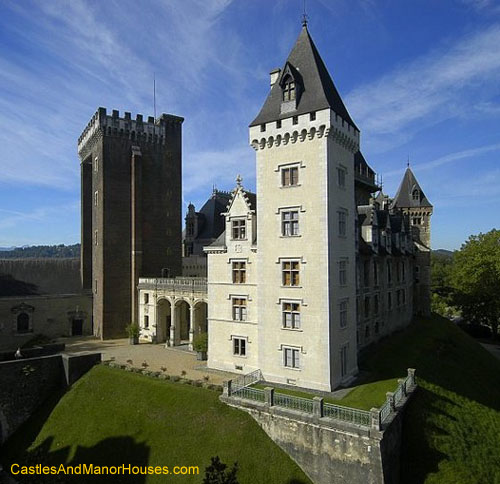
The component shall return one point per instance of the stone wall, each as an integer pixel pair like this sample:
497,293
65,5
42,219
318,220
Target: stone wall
50,315
51,276
27,383
332,450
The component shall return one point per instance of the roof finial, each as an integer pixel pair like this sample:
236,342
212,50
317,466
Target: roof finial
408,162
239,180
304,16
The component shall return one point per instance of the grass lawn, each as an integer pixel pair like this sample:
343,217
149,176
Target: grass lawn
364,396
452,425
110,417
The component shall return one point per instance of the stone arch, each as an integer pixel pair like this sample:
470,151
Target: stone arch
303,135
200,317
163,319
182,319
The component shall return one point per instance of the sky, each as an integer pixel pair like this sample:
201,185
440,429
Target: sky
421,79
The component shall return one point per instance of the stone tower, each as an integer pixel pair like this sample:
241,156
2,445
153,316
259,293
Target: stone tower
411,200
131,210
305,142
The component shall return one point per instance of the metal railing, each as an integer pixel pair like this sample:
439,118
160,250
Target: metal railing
294,403
240,388
360,417
249,393
246,380
385,411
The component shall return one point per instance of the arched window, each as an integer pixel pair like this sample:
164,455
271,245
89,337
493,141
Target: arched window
23,323
289,89
416,195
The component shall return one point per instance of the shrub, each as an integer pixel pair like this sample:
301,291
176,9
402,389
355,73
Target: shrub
200,342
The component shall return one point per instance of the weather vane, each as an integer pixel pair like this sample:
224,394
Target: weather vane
305,17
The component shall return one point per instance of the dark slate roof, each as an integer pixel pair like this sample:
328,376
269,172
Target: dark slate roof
318,90
220,241
361,165
252,200
404,198
396,221
210,218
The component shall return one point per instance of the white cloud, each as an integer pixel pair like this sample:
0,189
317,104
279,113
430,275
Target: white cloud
440,85
443,160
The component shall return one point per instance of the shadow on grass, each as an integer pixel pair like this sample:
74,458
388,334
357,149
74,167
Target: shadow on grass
442,354
109,453
22,438
418,458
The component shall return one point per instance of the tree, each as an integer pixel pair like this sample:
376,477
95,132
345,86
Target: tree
441,290
216,473
475,279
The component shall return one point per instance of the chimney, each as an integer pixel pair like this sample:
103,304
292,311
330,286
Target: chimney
275,74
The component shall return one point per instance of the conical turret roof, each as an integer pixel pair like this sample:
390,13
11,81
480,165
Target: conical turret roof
318,90
410,194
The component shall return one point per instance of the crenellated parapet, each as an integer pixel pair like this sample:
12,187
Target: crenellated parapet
146,131
299,129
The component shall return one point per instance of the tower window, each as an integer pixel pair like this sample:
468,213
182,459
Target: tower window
342,222
239,309
343,314
312,116
291,315
263,127
239,229
239,272
416,195
278,123
295,120
290,273
291,358
239,346
341,177
290,223
290,176
289,90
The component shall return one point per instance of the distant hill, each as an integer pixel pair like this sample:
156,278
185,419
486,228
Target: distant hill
443,252
41,251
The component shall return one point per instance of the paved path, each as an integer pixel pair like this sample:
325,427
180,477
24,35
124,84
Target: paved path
175,360
493,349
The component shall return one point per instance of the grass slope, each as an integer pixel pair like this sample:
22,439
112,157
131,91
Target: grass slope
111,417
452,425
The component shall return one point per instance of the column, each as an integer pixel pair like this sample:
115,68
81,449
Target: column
192,314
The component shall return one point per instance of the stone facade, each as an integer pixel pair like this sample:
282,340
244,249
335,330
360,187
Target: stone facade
50,276
52,315
329,266
172,311
131,211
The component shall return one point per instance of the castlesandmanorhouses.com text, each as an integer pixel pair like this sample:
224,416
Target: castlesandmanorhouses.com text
91,469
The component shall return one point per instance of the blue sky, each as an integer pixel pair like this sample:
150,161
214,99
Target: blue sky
421,78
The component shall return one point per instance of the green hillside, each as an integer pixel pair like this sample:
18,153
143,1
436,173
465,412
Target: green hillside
451,429
452,426
111,417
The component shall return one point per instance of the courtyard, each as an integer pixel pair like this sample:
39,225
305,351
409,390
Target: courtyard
154,357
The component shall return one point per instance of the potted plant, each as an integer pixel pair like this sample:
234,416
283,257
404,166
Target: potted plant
200,345
133,331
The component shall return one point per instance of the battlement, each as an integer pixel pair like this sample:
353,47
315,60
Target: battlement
152,131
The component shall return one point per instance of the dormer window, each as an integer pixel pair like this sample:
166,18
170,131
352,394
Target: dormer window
289,90
416,195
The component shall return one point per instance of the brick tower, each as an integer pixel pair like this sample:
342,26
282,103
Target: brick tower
131,188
